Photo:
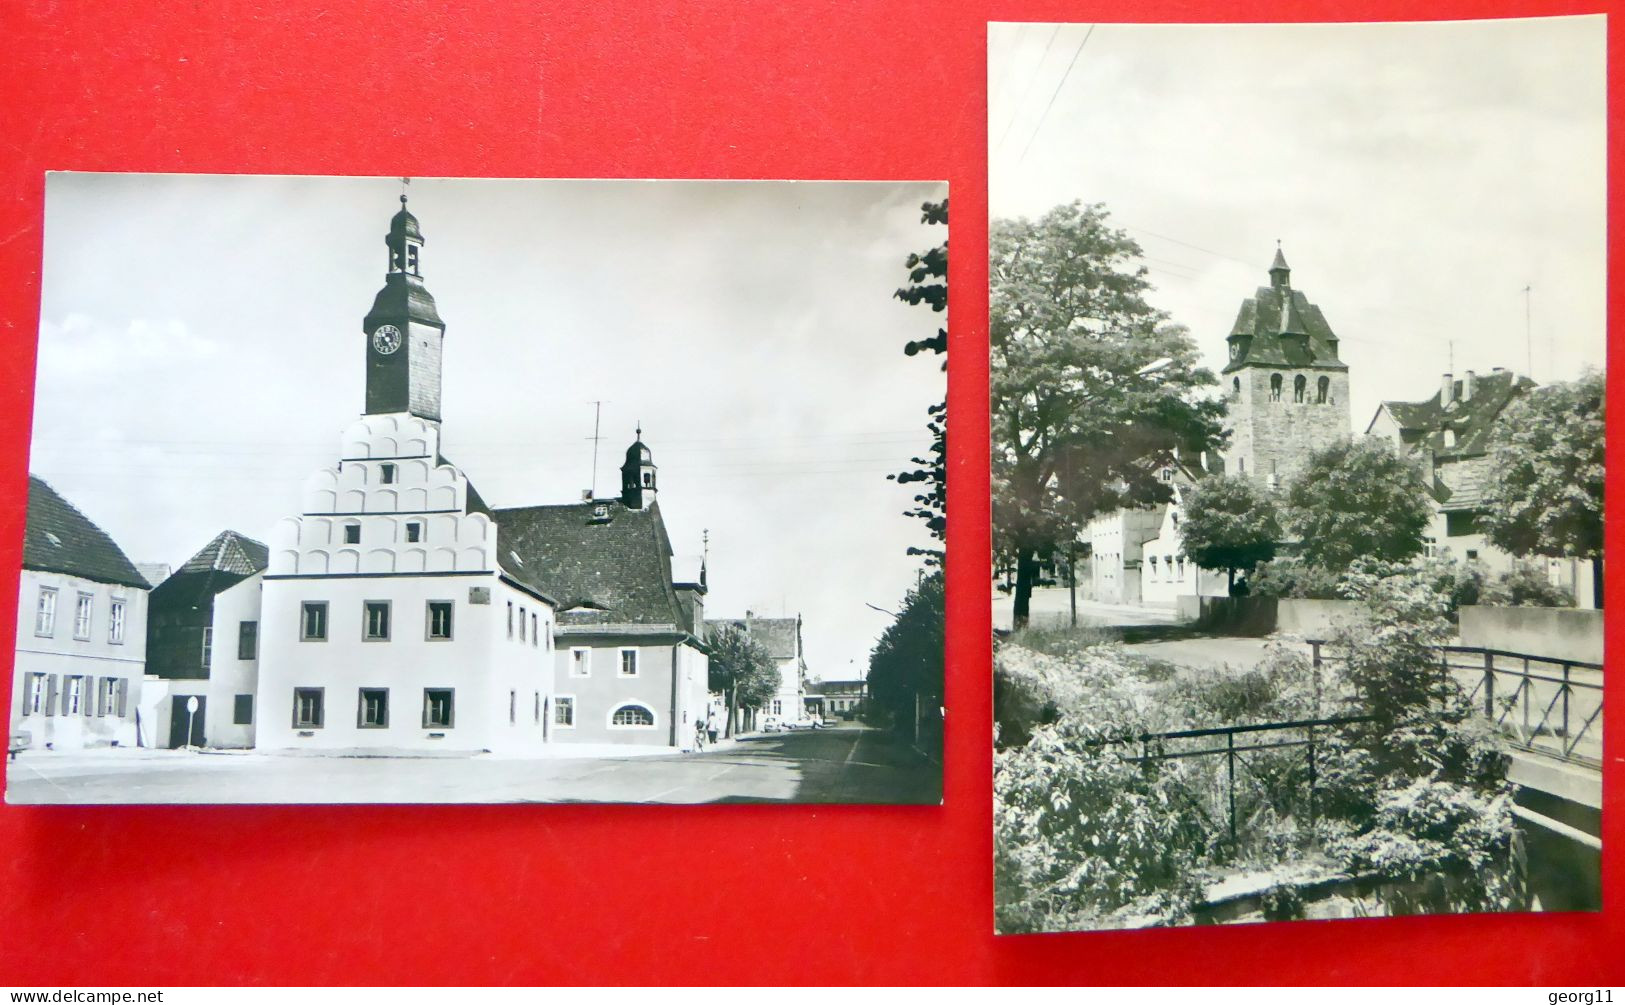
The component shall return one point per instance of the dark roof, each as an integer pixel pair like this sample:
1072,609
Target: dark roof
403,298
404,224
59,538
1423,423
1268,317
221,564
613,570
776,635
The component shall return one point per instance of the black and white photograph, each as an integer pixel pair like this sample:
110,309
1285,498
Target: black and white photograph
702,564
1297,340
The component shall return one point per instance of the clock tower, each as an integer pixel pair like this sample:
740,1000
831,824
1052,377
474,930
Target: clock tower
403,330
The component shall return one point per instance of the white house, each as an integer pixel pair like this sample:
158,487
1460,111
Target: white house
81,631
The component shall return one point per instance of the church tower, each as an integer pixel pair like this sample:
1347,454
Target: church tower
638,476
403,330
1287,390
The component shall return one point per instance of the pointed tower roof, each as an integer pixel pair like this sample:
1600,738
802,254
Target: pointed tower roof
1279,326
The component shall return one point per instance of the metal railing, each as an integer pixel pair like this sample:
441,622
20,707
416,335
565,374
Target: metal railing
1266,736
1542,703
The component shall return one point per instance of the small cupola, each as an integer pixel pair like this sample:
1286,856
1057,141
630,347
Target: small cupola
405,242
1280,272
638,480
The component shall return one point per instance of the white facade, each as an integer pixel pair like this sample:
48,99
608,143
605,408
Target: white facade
1165,573
385,623
1116,549
81,653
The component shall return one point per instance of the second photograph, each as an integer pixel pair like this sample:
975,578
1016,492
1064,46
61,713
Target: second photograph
1297,353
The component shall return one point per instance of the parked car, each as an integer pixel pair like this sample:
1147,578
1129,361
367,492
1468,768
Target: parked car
772,724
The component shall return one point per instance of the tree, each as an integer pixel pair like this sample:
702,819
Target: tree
1358,499
906,663
1229,523
1546,474
927,276
1089,383
741,669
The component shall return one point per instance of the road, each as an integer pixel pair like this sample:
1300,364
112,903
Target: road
846,764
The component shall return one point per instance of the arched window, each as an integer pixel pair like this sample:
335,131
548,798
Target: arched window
1235,386
632,715
1275,387
1298,386
1323,390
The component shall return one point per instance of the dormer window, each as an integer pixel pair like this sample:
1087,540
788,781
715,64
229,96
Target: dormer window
600,513
1449,437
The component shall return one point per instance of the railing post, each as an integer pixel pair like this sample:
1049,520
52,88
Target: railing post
1230,777
1312,778
1489,686
1566,667
1314,650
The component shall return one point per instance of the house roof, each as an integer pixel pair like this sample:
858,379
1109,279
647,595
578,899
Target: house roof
777,635
219,565
1423,423
59,538
836,686
610,570
1280,327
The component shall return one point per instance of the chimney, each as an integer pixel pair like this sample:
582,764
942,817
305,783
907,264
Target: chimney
1467,381
586,495
1447,390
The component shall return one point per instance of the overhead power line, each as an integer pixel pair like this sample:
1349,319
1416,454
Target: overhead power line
1055,93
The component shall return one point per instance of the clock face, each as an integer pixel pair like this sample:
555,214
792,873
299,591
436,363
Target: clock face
386,339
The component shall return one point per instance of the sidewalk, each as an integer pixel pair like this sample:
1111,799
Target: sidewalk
1051,607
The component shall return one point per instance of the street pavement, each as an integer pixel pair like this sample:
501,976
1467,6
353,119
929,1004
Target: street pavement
846,764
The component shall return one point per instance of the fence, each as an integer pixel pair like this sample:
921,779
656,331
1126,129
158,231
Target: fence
1542,703
1276,785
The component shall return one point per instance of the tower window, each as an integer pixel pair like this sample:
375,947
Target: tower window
1299,383
352,533
648,479
412,258
1235,386
1323,390
1275,387
414,531
387,473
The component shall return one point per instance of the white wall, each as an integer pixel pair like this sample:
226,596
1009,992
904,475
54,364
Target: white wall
95,659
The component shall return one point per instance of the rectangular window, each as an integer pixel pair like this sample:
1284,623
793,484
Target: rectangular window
564,711
437,710
521,624
307,708
373,710
580,662
629,662
45,613
533,633
778,707
248,640
73,698
208,647
107,697
352,533
34,701
242,710
414,532
387,474
439,619
81,616
538,707
510,619
313,621
513,707
115,623
375,620
412,259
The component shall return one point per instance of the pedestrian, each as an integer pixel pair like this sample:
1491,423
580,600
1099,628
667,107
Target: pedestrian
712,728
699,735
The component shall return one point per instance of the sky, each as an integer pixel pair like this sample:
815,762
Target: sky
1418,177
201,353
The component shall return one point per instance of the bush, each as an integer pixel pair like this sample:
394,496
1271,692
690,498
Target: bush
1293,578
1084,838
1525,586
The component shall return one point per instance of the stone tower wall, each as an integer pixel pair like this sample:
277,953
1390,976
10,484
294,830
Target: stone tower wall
1276,437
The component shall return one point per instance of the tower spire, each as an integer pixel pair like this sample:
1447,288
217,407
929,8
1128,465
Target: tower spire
1280,272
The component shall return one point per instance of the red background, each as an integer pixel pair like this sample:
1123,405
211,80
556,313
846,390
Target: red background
680,895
